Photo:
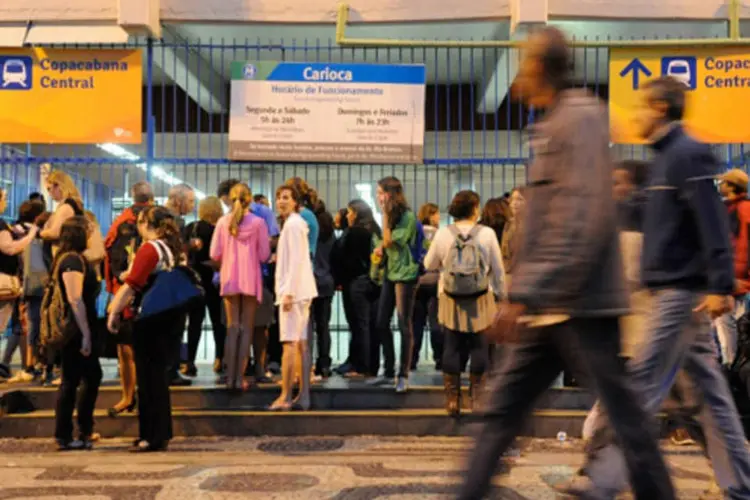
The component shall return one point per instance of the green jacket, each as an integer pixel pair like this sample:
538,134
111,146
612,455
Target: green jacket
400,265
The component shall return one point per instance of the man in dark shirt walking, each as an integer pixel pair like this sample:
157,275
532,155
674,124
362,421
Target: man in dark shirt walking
568,291
688,266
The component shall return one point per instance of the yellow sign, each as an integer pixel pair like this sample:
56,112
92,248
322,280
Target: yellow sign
70,96
717,82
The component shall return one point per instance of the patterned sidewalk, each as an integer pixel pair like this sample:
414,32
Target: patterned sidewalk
359,468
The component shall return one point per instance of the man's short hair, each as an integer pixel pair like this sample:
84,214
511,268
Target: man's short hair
226,186
37,196
142,192
671,92
557,63
180,191
259,198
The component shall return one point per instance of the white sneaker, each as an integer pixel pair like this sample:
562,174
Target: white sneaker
21,377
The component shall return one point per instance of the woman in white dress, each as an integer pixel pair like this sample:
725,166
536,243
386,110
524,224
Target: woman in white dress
295,289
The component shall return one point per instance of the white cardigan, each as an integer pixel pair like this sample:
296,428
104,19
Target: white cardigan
294,273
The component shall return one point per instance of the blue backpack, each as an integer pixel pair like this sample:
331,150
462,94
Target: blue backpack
417,249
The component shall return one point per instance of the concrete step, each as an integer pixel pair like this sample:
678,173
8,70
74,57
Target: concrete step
18,399
242,422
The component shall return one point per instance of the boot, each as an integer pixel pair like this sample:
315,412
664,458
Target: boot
452,384
475,390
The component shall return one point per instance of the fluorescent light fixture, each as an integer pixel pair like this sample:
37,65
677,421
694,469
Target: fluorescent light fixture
118,151
156,171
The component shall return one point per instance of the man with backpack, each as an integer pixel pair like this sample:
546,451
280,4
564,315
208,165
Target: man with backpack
121,243
122,239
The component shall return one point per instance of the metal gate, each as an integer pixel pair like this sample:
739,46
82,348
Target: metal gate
185,131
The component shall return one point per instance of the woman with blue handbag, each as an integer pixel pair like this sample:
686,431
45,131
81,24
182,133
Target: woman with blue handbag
156,283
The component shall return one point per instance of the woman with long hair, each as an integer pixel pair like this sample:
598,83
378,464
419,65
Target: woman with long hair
156,340
339,220
295,289
200,234
465,314
308,200
495,215
321,305
425,295
64,192
240,244
401,271
359,293
80,287
511,232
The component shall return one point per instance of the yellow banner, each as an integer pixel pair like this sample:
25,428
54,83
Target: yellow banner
70,96
717,82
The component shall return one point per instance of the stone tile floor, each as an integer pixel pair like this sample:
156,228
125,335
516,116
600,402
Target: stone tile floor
356,468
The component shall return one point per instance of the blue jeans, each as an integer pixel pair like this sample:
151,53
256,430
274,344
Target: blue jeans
34,317
681,338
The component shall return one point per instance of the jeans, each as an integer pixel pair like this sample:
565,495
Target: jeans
77,370
156,344
459,347
679,337
321,319
726,330
195,322
529,367
682,407
34,321
358,306
398,296
426,311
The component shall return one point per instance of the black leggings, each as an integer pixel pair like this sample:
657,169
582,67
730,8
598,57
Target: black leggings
156,344
77,370
195,322
459,347
321,317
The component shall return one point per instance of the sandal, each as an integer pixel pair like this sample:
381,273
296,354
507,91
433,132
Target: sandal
282,406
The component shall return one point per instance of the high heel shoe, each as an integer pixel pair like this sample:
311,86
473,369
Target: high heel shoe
114,412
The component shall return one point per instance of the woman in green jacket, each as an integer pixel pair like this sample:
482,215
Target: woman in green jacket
399,234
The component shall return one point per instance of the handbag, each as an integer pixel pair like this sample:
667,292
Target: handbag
10,287
175,288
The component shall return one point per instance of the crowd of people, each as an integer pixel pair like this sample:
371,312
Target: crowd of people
267,280
611,273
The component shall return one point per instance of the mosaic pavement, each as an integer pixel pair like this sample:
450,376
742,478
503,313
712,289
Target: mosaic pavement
359,468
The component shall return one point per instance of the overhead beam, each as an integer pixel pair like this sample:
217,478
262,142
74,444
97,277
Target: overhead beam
140,17
188,69
498,83
524,14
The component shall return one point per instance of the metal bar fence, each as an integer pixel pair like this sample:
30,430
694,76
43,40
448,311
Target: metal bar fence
186,89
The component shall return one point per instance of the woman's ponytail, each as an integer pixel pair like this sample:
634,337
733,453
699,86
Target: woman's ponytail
241,197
